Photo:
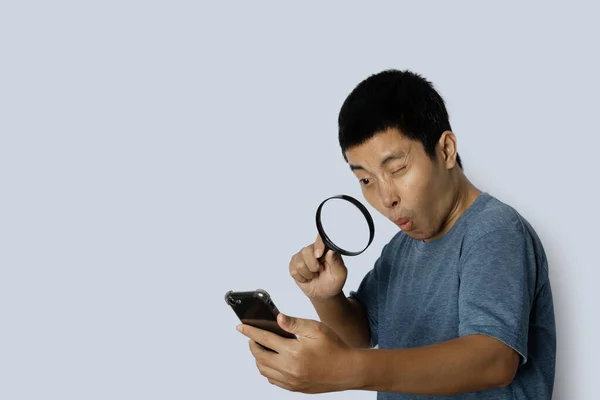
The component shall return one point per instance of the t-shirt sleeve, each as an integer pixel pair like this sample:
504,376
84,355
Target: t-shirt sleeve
367,296
497,284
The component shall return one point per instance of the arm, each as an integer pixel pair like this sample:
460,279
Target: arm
318,362
497,283
354,318
466,364
346,317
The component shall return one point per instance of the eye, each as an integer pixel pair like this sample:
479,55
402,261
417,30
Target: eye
399,170
365,181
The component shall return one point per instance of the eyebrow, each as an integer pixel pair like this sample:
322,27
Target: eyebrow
387,159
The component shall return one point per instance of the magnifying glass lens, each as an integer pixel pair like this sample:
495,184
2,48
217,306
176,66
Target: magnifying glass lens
345,225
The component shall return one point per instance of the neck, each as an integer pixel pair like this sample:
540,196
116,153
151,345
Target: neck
465,195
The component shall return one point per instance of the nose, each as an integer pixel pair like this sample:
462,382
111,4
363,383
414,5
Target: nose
388,196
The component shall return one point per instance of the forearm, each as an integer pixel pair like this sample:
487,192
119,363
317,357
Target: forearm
457,366
347,318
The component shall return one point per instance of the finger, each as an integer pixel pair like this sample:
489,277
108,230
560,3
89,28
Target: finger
300,326
261,354
305,273
310,261
319,247
281,384
297,277
298,268
270,373
268,363
266,338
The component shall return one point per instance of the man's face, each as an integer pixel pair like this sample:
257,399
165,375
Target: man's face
399,180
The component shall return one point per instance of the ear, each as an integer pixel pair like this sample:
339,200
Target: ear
447,148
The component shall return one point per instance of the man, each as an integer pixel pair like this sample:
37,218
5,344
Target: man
458,304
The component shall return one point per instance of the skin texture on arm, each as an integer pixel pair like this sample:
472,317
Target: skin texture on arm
346,317
319,361
466,364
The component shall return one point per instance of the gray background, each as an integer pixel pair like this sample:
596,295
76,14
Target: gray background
154,155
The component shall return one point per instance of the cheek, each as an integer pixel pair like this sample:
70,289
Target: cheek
418,200
412,191
372,198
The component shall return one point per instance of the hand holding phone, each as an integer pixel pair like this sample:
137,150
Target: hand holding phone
255,308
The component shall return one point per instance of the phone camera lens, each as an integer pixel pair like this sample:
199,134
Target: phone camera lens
231,301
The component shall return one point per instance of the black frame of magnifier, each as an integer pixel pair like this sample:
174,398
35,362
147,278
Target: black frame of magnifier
329,245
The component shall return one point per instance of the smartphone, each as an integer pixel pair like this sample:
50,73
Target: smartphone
256,308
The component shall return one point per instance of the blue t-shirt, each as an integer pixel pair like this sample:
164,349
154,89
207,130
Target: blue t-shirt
487,275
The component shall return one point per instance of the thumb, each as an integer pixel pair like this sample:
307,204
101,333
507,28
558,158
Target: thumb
318,247
299,326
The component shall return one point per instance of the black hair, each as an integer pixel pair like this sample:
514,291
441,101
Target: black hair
394,99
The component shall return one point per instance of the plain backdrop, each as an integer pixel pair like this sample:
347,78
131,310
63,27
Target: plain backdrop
155,154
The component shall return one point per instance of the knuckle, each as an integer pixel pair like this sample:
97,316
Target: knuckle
307,252
293,262
296,372
298,277
320,328
307,274
294,354
301,266
260,368
299,262
262,338
294,325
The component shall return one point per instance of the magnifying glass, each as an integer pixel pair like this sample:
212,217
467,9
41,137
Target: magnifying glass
349,226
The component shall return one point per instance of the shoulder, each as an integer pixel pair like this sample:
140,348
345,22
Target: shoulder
495,220
491,215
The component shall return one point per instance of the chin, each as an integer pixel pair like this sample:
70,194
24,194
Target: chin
418,235
415,235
